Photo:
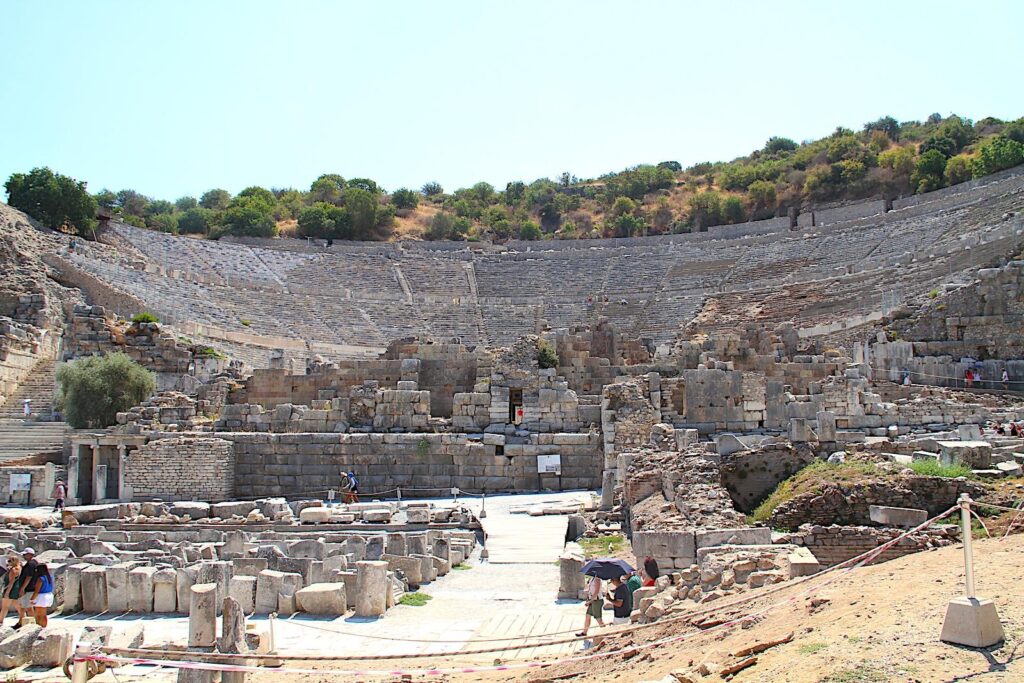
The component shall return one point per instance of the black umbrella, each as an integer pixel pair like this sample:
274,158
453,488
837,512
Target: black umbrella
607,568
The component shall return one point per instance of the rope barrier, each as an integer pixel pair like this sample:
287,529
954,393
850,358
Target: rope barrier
849,565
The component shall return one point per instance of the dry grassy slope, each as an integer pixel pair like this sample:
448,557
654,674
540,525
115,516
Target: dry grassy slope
880,623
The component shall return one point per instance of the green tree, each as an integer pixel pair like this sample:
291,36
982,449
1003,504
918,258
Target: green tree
248,216
515,192
216,200
887,125
53,199
260,193
404,198
327,188
323,221
132,203
996,154
762,195
777,144
362,208
958,170
673,166
529,231
366,185
432,188
164,222
159,206
940,143
196,221
899,159
732,210
183,204
106,199
623,206
440,227
705,208
929,171
1014,130
93,390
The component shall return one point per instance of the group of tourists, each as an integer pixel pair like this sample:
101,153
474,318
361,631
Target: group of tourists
27,587
972,375
619,597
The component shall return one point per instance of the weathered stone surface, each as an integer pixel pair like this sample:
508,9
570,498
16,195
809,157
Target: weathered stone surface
243,591
322,598
140,589
202,615
51,648
371,588
894,516
16,649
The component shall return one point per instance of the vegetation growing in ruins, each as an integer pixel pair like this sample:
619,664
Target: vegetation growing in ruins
144,317
933,468
546,356
885,157
57,201
414,599
93,390
811,478
602,546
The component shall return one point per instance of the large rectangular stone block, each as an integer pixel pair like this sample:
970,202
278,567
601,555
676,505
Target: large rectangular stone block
894,516
744,536
94,589
243,590
270,584
117,587
140,589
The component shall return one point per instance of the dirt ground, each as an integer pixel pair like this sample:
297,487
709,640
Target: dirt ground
875,624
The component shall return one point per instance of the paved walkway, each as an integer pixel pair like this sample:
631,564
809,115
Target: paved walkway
501,600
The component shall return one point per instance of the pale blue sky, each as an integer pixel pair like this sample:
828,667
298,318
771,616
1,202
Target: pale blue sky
173,98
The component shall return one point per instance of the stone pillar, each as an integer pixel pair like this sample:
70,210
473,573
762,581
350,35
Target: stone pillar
371,588
99,472
140,589
202,615
608,489
232,639
71,475
793,213
571,582
122,464
826,426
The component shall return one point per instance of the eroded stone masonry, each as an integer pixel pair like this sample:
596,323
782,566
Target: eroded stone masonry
686,377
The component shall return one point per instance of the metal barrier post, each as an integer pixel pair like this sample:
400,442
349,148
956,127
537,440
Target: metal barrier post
483,506
398,493
270,620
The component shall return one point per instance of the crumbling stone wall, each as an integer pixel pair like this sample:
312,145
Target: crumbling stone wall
715,400
751,475
848,504
834,543
182,468
21,347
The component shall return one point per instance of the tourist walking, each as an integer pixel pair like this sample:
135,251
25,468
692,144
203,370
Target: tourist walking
60,491
351,488
1006,380
26,408
11,591
41,598
594,603
28,572
621,601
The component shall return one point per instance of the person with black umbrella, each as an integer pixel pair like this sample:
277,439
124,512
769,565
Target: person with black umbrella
620,600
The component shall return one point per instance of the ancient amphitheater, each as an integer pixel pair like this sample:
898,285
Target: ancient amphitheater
495,402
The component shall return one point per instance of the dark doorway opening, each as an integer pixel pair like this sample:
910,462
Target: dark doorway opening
515,406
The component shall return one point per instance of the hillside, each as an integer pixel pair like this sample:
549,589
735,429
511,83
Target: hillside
886,158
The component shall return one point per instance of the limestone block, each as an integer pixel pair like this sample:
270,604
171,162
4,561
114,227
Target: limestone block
895,516
270,584
202,615
117,587
249,566
320,515
94,589
371,588
16,649
242,589
52,648
743,536
322,598
140,589
73,588
571,582
417,515
165,591
217,572
186,576
411,568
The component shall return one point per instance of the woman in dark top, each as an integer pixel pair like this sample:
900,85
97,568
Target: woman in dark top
11,587
42,593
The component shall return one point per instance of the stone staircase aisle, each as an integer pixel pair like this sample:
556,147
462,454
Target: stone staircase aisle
20,438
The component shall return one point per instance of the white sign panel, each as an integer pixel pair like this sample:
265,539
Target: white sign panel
21,482
549,464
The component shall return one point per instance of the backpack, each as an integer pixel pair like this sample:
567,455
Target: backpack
353,482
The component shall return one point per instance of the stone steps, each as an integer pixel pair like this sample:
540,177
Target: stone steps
22,438
39,387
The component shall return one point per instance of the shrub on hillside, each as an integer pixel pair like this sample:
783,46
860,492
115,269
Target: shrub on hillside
546,356
196,221
93,390
404,198
217,199
53,199
997,154
958,170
